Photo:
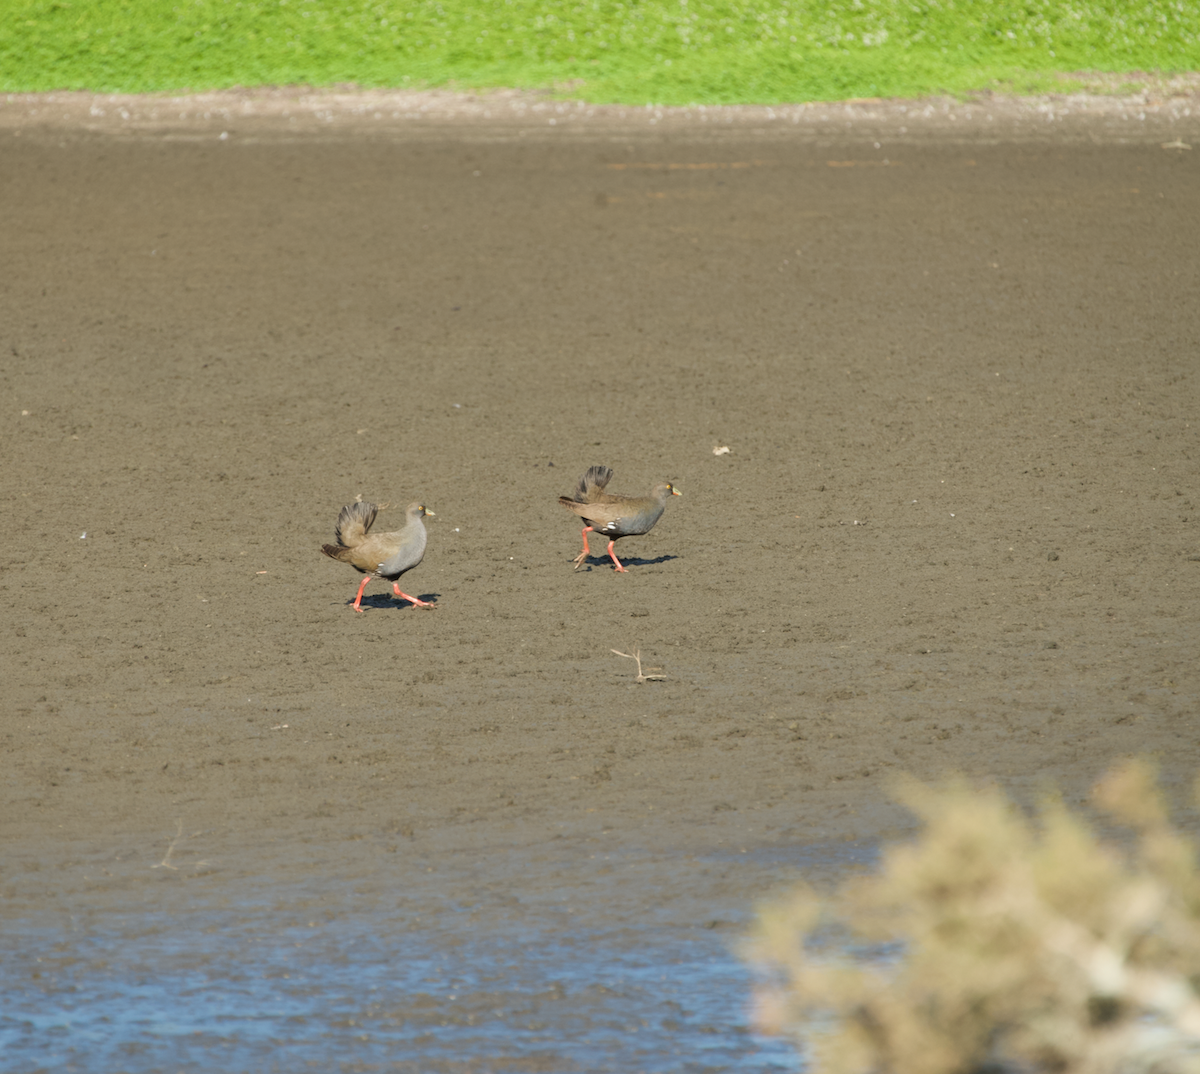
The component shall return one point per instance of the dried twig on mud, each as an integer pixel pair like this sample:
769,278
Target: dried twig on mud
166,862
641,676
379,506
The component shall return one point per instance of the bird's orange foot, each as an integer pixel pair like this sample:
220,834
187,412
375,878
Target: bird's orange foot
413,600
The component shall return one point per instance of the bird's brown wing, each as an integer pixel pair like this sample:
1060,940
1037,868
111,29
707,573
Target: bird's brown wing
373,552
613,508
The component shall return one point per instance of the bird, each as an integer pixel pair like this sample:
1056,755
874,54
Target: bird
379,555
612,515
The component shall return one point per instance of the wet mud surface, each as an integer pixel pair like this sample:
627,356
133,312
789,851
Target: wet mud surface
956,528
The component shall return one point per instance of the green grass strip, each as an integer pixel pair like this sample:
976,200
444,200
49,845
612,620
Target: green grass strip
652,51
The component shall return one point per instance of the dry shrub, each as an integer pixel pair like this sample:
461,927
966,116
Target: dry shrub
1011,946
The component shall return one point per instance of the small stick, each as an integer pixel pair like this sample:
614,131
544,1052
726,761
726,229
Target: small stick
641,676
385,506
166,862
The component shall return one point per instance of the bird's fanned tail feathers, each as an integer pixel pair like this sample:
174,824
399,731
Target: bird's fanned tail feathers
354,523
592,483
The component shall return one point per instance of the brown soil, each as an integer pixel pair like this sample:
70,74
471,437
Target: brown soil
954,360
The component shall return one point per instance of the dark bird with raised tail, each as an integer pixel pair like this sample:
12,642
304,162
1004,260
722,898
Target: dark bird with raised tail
611,515
385,556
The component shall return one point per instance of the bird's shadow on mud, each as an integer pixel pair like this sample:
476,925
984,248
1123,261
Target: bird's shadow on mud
387,601
604,561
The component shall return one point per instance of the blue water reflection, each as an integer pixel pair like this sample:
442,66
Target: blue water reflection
336,976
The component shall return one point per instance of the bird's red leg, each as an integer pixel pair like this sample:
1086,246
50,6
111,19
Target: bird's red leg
586,551
358,599
412,600
613,556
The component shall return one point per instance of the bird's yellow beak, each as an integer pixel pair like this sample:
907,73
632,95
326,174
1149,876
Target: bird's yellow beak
429,512
675,491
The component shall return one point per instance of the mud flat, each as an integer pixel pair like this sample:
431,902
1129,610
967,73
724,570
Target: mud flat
954,363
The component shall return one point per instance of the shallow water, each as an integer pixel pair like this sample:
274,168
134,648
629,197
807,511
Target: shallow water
488,965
